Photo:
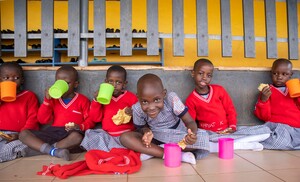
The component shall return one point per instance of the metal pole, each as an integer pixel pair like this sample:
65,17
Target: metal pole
84,12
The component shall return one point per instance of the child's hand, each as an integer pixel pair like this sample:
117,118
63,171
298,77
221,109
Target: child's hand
265,94
128,111
147,138
71,126
96,94
190,138
47,95
226,131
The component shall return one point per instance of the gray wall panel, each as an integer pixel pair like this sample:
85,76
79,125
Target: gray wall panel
126,28
178,28
74,28
99,28
226,28
20,37
47,28
152,27
202,27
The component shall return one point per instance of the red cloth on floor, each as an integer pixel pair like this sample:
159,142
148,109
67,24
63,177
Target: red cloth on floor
117,161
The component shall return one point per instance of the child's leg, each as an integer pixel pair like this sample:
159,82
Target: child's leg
133,141
254,138
28,138
72,140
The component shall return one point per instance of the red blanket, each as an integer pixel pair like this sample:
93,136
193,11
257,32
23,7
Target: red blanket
117,161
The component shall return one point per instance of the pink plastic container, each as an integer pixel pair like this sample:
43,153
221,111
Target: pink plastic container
226,148
172,155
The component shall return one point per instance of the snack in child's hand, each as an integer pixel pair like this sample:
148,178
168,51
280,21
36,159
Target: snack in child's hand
121,117
261,86
182,144
5,136
70,124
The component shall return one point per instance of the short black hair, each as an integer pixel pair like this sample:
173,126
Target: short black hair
117,68
69,68
281,61
14,65
201,61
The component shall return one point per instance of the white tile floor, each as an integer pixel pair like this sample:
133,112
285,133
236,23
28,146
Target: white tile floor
246,166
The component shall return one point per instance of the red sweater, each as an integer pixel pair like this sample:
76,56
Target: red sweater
215,113
104,113
77,111
280,108
20,114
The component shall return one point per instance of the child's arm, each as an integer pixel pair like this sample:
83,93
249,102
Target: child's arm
230,113
45,112
32,110
191,137
263,108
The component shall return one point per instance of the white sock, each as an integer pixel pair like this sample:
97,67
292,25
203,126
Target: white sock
253,138
213,147
144,157
255,146
188,157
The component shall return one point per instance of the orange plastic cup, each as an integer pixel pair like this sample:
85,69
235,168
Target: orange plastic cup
293,86
8,91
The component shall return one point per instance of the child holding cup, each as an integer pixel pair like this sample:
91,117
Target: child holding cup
112,107
69,114
16,114
161,118
279,110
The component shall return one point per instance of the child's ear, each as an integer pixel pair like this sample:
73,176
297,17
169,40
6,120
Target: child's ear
125,83
192,73
291,74
164,92
76,83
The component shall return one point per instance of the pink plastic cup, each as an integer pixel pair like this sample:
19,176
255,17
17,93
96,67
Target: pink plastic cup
172,155
226,148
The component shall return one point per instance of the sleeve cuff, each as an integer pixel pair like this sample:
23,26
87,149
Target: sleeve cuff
183,112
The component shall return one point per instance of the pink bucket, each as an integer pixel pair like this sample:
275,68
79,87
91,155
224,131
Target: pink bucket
172,155
226,148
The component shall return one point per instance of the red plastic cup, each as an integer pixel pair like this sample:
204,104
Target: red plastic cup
226,148
172,155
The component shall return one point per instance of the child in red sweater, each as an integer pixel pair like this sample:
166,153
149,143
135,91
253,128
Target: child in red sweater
108,137
73,107
17,115
280,112
213,110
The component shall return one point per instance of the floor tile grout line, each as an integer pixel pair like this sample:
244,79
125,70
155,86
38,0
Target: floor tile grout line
12,163
198,173
261,168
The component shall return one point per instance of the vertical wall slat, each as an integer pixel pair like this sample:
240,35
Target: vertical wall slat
74,28
126,28
202,27
178,28
271,36
249,37
226,36
99,28
292,29
47,28
152,27
20,37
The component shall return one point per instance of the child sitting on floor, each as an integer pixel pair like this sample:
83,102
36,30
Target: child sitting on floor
213,110
73,107
162,118
280,112
16,115
108,137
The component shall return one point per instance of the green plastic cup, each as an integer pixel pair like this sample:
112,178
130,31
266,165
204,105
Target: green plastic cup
105,93
58,89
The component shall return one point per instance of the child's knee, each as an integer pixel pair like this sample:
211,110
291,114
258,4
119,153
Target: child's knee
75,137
23,134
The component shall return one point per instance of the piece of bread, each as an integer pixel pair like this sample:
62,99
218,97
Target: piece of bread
70,124
261,86
5,136
121,117
182,144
